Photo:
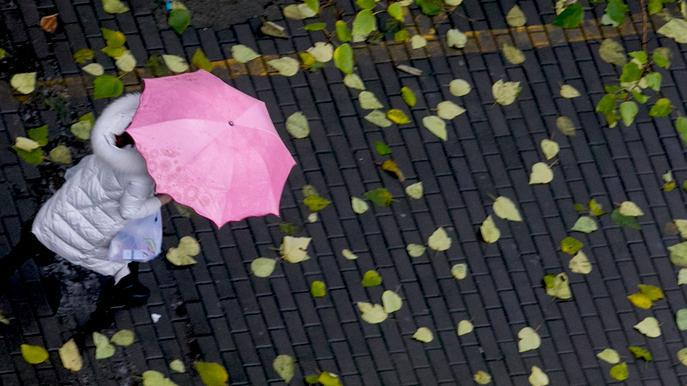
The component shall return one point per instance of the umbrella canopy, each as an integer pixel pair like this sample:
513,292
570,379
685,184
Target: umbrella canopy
211,147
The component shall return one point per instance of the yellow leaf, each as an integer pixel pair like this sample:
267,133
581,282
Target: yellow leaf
651,291
490,233
459,87
619,372
439,240
464,327
26,144
682,356
424,335
436,126
529,339
629,208
284,365
156,378
549,148
183,254
123,338
179,259
211,373
609,355
70,356
114,6
391,301
505,93
459,271
372,313
541,174
558,286
538,377
482,377
649,326
506,209
415,190
449,110
34,354
391,166
175,63
516,17
415,250
348,254
103,348
359,205
569,92
580,264
397,116
25,83
295,249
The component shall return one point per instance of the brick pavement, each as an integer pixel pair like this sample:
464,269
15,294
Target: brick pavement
217,311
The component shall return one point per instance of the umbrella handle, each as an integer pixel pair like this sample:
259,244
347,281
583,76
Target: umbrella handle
168,5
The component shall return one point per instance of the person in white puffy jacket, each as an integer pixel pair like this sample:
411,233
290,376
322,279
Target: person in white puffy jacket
100,194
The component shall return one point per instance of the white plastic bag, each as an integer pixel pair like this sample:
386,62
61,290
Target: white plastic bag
139,240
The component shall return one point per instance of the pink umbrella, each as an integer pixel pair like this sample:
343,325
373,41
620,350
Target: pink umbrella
211,147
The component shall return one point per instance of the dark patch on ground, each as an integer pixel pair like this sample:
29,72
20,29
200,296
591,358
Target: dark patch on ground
222,14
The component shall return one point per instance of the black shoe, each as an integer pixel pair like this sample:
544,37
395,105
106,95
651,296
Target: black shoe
129,292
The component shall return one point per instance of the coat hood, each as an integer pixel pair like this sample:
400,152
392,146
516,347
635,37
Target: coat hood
113,121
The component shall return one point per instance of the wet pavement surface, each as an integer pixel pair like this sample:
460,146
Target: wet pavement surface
218,311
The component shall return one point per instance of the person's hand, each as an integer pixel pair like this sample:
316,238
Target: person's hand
164,198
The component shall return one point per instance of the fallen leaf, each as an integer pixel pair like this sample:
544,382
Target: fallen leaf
378,118
391,301
364,24
557,286
464,327
26,144
410,70
34,354
263,266
286,66
343,58
417,41
123,338
651,291
619,372
211,373
95,69
424,335
200,60
25,82
439,240
371,278
580,264
372,313
326,378
630,209
505,93
640,300
449,110
285,367
516,17
529,339
322,52
70,356
549,148
183,254
571,245
107,86
459,271
612,52
490,232
318,289
315,202
415,190
49,23
569,92
103,348
678,254
348,254
538,377
297,125
585,224
682,356
177,366
156,378
298,11
176,64
274,29
126,62
397,116
682,276
82,128
436,126
179,19
415,250
675,29
609,355
243,54
295,249
541,174
390,166
83,55
408,96
455,38
505,208
512,54
624,221
649,326
380,196
459,87
482,377
353,81
640,353
368,101
359,205
566,126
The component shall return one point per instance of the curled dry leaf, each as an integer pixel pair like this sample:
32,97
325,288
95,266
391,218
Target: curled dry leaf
49,23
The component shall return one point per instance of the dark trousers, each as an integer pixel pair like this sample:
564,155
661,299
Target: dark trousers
27,248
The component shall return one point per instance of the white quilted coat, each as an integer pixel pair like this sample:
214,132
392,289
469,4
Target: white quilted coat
100,193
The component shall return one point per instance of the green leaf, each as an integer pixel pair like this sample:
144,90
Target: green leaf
342,31
113,39
595,208
640,353
31,157
211,373
661,56
364,23
83,55
314,5
318,289
681,128
123,338
316,202
619,372
39,134
628,111
285,366
114,6
639,56
201,61
408,96
612,52
315,26
653,292
329,379
558,286
380,196
113,52
366,4
653,80
263,266
631,73
382,148
616,10
607,104
571,17
157,66
681,319
624,221
571,245
639,97
179,19
655,6
396,10
82,128
103,348
297,125
371,278
60,154
343,58
34,354
662,108
430,7
107,86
